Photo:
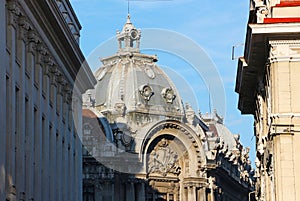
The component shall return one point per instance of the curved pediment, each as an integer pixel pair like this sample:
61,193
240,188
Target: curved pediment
173,139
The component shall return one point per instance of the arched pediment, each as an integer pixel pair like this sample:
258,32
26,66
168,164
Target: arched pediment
169,141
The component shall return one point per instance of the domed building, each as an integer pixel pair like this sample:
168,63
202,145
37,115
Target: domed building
141,143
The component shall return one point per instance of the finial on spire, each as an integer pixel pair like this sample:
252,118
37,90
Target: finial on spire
128,7
128,19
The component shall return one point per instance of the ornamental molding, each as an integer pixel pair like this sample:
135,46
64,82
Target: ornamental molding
35,45
14,7
146,92
263,8
168,94
285,42
284,50
170,124
149,72
24,23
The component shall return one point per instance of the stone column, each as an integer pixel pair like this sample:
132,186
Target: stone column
201,194
284,110
113,191
183,194
46,162
175,196
10,108
130,194
141,192
2,106
23,27
211,187
191,193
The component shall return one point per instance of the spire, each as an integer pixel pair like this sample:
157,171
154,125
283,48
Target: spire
128,19
129,38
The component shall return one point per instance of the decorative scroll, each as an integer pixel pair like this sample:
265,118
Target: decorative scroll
146,92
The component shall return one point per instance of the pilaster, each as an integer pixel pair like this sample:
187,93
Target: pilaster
2,106
13,14
130,191
285,110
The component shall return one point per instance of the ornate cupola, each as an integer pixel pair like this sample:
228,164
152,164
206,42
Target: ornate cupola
129,38
131,87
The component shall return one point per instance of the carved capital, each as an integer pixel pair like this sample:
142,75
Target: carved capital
48,64
14,12
33,37
14,7
53,74
67,93
24,23
33,42
61,81
42,52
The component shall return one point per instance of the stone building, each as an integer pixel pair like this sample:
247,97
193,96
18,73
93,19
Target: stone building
40,151
268,85
142,144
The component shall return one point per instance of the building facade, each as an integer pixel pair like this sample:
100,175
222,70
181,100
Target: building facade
142,144
268,86
40,149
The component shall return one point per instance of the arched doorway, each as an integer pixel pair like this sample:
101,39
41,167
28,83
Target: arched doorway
165,162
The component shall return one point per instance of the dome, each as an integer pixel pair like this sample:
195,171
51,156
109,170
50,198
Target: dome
130,82
218,130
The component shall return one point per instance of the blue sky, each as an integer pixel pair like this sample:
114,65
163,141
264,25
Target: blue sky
214,25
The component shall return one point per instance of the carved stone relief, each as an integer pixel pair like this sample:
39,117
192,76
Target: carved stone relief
146,92
120,108
149,72
163,160
168,94
284,49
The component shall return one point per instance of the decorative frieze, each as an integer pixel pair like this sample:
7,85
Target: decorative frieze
284,50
